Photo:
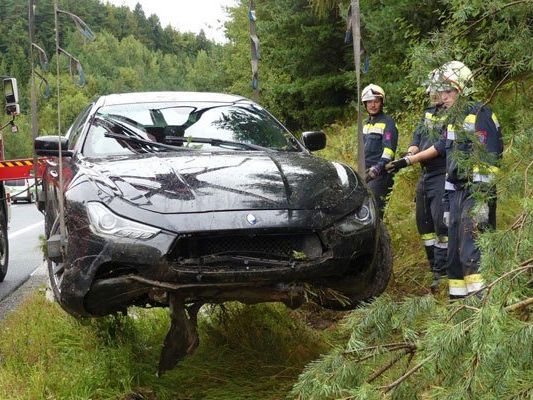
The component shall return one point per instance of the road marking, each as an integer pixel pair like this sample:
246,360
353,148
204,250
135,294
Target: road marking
24,230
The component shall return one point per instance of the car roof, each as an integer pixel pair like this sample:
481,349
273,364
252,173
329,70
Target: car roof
147,97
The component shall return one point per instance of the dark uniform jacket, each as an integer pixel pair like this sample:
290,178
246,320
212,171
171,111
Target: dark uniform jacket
473,147
380,137
429,132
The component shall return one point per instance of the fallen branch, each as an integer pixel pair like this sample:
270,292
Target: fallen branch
519,305
387,366
389,387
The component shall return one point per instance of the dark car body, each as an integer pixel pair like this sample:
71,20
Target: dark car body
213,220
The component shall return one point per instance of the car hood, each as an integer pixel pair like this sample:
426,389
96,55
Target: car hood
187,182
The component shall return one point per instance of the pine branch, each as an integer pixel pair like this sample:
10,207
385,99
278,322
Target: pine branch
526,183
497,86
517,271
390,364
490,14
520,305
388,346
389,387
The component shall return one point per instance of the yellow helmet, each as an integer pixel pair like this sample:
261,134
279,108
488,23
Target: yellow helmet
372,92
454,74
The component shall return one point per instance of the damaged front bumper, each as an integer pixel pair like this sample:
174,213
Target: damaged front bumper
107,274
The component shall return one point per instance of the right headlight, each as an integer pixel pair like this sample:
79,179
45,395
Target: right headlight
360,218
104,221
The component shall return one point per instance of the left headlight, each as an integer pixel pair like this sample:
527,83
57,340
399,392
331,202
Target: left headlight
360,218
103,221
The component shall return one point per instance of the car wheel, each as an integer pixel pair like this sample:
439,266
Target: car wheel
55,269
4,248
355,290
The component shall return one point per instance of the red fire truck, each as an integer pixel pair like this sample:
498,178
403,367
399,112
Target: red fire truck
10,169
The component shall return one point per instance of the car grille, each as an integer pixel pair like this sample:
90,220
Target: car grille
282,246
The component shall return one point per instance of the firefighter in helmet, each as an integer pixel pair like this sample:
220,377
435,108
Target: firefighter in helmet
380,138
473,146
430,186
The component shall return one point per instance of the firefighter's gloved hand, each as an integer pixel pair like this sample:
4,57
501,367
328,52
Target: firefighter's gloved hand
372,173
446,219
395,166
480,215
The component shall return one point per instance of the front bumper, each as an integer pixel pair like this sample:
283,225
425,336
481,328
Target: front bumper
104,275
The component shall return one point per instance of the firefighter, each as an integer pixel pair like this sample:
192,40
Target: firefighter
430,186
380,138
473,147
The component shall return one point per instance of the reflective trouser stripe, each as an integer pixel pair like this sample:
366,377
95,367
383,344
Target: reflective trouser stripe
429,239
457,287
483,178
474,282
441,245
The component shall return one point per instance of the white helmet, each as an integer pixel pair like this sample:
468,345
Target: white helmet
454,74
430,83
372,92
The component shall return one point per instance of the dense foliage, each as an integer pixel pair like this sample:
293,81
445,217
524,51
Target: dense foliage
420,347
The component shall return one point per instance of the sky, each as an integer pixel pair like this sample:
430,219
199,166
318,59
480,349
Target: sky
186,15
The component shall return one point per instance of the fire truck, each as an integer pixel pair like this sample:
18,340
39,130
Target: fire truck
10,169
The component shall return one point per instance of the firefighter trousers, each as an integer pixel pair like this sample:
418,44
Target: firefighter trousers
429,211
463,252
381,187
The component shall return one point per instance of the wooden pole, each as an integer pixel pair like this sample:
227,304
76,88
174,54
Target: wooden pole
356,33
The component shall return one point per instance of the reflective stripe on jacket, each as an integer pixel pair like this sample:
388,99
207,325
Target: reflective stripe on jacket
380,137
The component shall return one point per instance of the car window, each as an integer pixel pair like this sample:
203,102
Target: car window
77,127
242,123
98,145
17,182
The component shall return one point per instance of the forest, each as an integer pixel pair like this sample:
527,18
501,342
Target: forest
407,344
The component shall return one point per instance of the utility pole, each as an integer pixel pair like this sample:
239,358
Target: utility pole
356,33
254,45
62,225
33,99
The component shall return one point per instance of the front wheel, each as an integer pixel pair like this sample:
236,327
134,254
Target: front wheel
55,269
4,246
352,291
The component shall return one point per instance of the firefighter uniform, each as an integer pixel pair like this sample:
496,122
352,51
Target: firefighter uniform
380,138
430,192
473,147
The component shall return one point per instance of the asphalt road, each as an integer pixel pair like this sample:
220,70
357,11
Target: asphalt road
25,256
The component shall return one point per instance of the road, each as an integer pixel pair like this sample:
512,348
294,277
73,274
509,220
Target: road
25,256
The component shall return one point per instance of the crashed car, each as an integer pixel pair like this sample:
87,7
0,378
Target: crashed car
175,198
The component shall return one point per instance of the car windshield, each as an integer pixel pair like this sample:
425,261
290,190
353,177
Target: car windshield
191,126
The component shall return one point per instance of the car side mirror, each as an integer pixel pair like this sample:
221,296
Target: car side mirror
49,146
314,140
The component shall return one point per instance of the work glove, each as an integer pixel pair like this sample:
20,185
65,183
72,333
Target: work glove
372,173
395,166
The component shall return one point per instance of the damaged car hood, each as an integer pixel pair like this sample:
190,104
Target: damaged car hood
194,181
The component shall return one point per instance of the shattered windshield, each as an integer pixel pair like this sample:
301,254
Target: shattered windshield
194,126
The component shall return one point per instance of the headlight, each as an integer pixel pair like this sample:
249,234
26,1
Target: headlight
360,218
103,221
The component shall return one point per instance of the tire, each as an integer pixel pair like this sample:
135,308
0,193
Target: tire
362,288
4,246
55,270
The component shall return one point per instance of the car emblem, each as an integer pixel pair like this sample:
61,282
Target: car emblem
251,219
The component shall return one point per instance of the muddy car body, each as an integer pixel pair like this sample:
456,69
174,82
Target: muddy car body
208,196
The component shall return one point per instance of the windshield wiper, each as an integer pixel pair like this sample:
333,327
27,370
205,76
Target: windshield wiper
128,134
138,140
216,142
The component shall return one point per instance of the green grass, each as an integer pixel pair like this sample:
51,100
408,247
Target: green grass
246,352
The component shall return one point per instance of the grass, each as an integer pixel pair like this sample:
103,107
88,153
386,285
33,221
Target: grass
246,352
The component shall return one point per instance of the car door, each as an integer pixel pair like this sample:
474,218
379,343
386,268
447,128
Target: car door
51,175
